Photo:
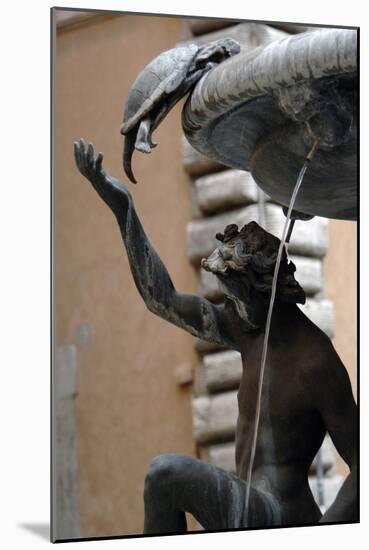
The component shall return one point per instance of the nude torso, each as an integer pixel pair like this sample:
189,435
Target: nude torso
290,427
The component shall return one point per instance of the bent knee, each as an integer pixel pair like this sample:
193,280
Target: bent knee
164,471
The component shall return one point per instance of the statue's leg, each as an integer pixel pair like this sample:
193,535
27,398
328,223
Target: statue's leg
176,484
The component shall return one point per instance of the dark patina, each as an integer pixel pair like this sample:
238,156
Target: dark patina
306,391
160,85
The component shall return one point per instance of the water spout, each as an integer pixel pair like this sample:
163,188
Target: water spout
286,234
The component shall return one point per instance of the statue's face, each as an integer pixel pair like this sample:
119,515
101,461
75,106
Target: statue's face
244,264
232,255
238,249
229,263
238,261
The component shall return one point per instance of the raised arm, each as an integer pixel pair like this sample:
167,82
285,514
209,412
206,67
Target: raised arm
194,314
335,400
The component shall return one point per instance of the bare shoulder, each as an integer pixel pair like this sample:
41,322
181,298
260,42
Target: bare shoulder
323,364
325,375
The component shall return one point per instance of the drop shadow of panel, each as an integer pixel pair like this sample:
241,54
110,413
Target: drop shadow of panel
40,529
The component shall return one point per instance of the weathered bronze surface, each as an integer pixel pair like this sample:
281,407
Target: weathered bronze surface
306,387
160,85
262,111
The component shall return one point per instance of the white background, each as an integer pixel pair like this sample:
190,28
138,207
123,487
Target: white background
25,279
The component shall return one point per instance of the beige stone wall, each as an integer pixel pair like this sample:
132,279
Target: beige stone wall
130,407
341,288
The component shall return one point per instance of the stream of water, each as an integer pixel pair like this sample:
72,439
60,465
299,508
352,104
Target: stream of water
269,317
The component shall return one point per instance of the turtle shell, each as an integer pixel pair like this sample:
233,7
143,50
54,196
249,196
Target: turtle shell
160,77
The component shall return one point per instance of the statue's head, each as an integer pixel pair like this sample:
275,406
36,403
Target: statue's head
244,263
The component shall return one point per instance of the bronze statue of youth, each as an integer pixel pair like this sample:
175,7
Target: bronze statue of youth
306,393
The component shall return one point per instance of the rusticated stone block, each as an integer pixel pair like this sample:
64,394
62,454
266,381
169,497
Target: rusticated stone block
222,370
214,417
309,238
309,273
320,312
201,239
225,190
327,457
197,164
223,456
330,486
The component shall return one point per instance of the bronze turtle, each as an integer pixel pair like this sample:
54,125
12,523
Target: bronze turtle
163,82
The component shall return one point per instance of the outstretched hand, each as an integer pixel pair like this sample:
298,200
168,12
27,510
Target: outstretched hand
89,167
110,189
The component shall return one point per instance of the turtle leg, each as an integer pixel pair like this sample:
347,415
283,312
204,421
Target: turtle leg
152,143
210,66
143,141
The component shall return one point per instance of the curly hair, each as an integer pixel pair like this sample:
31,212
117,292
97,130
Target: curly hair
254,253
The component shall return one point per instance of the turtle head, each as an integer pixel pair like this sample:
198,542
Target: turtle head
229,46
217,51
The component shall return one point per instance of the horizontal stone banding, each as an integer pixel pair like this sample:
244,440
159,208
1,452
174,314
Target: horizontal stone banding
309,238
